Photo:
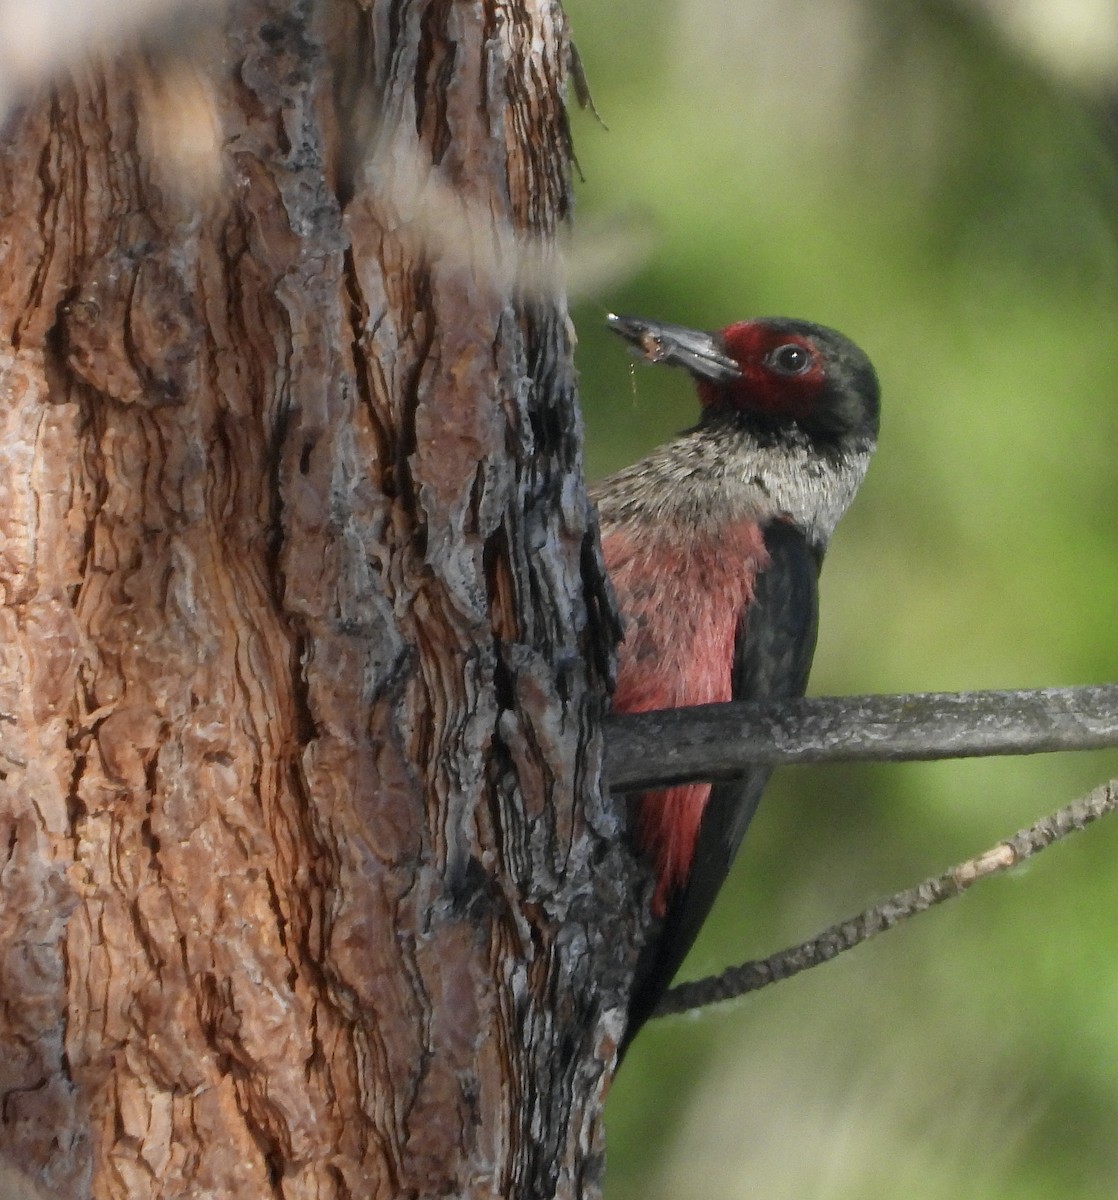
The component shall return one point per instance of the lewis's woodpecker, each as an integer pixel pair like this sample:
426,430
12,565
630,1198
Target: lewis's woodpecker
713,544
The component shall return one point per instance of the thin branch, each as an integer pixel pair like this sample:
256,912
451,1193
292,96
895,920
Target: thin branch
737,981
716,741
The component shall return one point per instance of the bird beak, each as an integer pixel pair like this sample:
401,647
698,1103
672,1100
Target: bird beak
698,352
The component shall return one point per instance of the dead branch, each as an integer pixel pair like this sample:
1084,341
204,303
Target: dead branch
1023,845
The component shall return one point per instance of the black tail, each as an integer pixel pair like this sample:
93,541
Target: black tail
728,812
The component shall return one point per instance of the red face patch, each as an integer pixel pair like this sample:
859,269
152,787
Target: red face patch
782,373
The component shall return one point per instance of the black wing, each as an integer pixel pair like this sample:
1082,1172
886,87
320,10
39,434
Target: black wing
772,658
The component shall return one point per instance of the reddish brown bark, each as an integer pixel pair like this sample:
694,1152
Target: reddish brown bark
307,869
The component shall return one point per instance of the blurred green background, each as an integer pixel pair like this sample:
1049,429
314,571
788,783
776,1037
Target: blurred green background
939,182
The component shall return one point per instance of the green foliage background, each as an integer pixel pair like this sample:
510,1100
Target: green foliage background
916,177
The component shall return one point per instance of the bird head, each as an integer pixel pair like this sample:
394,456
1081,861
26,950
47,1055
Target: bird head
770,376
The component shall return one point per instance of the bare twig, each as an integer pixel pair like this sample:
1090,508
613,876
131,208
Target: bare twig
716,741
737,981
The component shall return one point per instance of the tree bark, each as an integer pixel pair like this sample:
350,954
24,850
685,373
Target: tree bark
308,876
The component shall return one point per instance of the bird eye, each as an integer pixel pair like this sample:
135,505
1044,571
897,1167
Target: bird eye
790,359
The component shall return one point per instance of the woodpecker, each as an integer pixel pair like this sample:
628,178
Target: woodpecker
713,545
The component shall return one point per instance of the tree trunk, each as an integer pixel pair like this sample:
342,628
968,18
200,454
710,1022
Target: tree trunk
308,875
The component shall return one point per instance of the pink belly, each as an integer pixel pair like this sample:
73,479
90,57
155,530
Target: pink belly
681,597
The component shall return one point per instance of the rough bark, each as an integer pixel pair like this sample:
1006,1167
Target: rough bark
307,873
